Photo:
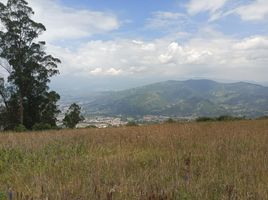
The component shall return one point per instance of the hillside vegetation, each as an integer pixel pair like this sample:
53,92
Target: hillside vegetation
184,99
210,160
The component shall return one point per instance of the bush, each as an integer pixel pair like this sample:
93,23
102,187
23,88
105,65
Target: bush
170,120
91,126
132,123
220,118
41,127
229,118
204,119
20,128
3,196
224,118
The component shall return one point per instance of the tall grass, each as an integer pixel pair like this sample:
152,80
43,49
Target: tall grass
210,160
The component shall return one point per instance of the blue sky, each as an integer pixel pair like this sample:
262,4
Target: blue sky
135,14
117,44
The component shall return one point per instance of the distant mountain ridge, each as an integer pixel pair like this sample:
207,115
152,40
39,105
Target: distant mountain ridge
184,99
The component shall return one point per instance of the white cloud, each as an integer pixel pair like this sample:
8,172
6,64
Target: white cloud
257,10
113,71
207,53
220,14
69,23
253,43
214,56
248,10
197,6
170,53
64,23
97,71
168,21
143,46
184,55
108,72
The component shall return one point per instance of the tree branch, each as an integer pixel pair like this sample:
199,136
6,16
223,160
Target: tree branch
6,68
3,95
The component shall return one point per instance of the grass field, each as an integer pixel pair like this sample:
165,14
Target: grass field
210,160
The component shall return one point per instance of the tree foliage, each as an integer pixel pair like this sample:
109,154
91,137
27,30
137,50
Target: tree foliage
27,98
73,116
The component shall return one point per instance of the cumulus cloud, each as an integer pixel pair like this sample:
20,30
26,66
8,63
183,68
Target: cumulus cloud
213,57
184,55
205,53
253,43
114,57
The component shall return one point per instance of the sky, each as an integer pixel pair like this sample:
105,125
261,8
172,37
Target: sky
118,44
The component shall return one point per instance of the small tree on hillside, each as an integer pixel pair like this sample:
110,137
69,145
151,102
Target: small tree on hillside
73,116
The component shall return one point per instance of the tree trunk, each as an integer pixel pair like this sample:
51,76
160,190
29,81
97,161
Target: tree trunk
21,109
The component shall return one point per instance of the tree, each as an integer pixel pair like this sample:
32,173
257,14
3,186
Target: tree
28,65
8,107
73,116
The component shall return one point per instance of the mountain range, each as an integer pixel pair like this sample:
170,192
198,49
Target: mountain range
184,99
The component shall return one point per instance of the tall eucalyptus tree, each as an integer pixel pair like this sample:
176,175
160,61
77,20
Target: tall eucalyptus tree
28,65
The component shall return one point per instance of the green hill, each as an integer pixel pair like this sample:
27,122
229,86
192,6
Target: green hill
184,99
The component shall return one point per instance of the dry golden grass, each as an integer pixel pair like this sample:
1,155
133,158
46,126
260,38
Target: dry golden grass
226,160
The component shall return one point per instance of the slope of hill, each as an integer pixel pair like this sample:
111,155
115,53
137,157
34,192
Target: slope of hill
185,98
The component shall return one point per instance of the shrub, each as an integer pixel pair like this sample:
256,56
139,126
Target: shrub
91,126
132,123
3,196
41,126
220,118
229,118
170,120
205,119
225,118
20,128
